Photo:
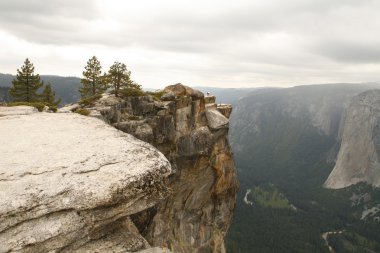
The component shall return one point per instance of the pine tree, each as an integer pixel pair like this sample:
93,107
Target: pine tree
120,78
26,84
48,96
93,81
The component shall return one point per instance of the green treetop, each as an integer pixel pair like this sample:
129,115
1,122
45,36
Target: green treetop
26,84
120,78
48,96
93,81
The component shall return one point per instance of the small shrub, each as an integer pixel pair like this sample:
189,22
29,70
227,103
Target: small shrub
131,92
156,94
90,100
83,111
53,108
133,117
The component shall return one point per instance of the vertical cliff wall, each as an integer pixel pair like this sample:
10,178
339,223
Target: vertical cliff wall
358,158
192,132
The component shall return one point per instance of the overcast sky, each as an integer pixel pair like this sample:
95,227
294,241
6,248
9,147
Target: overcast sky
205,43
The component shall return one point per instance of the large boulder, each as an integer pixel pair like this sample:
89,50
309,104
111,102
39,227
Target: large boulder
69,183
216,120
177,90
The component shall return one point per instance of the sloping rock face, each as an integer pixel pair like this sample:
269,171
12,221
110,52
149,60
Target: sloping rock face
358,158
71,183
193,137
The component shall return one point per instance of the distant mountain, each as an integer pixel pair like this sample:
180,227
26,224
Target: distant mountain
66,88
285,144
4,95
227,95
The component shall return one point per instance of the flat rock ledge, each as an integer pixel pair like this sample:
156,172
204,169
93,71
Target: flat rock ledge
17,110
69,184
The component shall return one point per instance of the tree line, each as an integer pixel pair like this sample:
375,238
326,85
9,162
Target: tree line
26,85
118,78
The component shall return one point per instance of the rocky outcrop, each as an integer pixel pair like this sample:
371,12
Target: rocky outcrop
71,183
358,158
193,137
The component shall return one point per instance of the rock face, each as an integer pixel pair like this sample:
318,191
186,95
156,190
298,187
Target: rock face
71,183
193,137
320,106
358,158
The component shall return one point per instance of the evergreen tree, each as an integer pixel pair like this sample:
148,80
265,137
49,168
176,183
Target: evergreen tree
48,96
26,84
120,78
93,81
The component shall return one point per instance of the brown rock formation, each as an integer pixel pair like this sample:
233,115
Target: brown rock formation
193,137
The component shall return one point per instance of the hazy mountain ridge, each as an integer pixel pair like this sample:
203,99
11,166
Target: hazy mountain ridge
286,138
227,95
65,88
323,105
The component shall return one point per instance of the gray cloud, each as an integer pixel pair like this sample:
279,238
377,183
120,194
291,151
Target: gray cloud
259,40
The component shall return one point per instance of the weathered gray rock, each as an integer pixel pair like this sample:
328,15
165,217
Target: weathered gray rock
142,130
210,99
177,90
168,97
216,120
225,109
155,250
358,158
69,183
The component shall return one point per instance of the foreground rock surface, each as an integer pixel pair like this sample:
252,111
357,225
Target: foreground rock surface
70,183
193,135
358,158
17,110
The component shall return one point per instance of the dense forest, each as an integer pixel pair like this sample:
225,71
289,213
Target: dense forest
289,159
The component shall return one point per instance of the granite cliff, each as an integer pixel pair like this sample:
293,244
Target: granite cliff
76,184
191,130
358,158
